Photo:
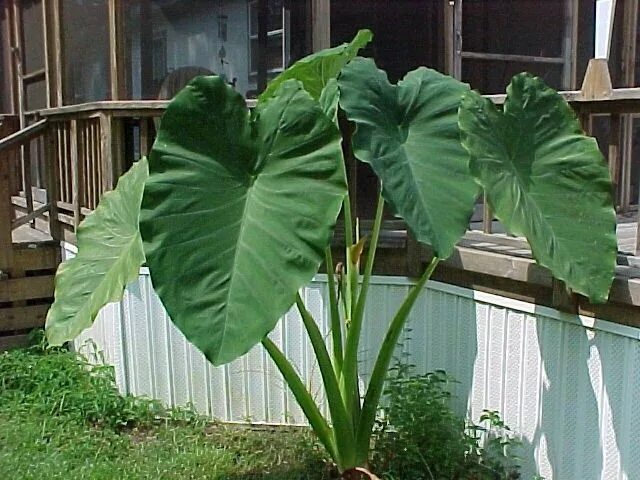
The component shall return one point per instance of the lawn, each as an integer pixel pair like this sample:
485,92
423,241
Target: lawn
60,418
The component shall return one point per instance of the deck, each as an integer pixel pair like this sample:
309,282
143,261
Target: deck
54,171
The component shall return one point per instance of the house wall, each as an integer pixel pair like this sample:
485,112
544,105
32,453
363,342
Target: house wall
567,385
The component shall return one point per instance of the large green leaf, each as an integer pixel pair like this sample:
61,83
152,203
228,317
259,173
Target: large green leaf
315,70
109,256
545,180
237,212
409,134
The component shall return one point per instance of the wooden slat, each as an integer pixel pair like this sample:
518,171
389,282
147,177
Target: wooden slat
13,341
41,258
76,174
28,218
35,76
320,24
26,288
22,318
23,136
510,58
117,49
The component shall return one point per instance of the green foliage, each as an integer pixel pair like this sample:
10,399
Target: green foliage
239,209
54,381
318,69
546,181
409,134
418,436
245,207
109,256
62,418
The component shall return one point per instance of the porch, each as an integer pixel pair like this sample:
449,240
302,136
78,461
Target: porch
53,173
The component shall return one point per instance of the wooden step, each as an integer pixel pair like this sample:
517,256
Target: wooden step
22,318
26,288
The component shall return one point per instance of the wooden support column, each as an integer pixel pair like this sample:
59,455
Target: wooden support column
53,175
569,44
614,153
6,210
320,24
76,175
457,39
116,49
53,51
263,18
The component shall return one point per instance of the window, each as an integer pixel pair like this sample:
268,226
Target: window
276,50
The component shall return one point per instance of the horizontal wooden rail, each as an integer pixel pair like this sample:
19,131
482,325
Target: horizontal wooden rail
23,136
503,57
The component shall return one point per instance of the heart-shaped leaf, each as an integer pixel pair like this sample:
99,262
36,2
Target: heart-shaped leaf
546,181
109,256
315,70
409,134
238,210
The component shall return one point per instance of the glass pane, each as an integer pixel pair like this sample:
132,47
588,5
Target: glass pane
33,35
86,50
36,95
407,33
170,42
493,76
522,27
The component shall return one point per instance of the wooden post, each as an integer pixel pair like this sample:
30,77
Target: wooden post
6,210
263,18
76,193
457,39
569,44
116,49
614,154
53,51
320,24
51,162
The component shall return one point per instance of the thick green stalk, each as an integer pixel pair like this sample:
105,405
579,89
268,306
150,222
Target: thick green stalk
304,398
336,324
350,367
378,377
342,425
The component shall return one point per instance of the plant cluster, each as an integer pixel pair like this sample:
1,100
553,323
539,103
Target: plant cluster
63,418
419,436
234,212
57,382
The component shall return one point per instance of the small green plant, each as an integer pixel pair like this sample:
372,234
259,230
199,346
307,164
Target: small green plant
418,435
55,381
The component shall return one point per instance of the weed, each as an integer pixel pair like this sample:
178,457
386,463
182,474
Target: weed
418,435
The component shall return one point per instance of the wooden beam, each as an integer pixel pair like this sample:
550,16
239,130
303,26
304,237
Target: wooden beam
569,44
320,24
457,39
22,318
26,288
53,51
6,209
116,49
23,136
506,57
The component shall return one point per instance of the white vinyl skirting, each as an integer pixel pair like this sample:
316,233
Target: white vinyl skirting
569,386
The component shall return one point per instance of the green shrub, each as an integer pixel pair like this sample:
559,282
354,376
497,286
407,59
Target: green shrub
418,436
55,381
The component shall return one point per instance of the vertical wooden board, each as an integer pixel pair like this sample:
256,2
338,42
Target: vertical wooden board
76,174
320,24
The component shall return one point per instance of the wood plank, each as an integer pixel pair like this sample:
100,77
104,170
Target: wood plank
23,136
26,288
28,218
22,318
13,341
505,57
76,174
43,257
320,24
116,49
6,214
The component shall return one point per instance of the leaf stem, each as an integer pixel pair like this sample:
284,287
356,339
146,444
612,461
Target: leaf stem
378,377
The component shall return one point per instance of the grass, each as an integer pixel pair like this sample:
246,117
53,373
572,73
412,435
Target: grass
62,418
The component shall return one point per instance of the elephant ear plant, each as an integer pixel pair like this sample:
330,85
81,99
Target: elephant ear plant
239,208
